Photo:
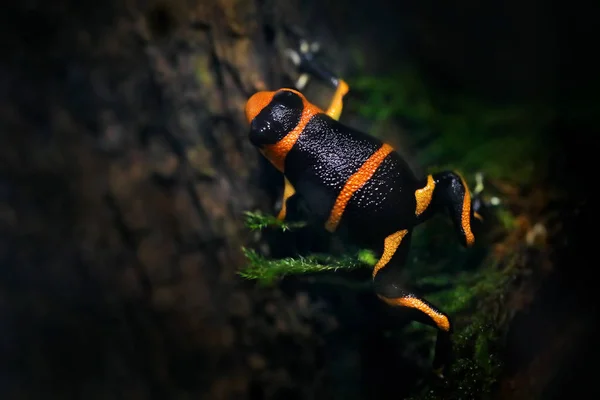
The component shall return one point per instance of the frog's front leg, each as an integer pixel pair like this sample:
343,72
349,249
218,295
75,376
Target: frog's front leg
304,59
288,207
387,281
335,107
450,191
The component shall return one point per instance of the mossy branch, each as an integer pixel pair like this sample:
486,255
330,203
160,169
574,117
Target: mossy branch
255,220
266,270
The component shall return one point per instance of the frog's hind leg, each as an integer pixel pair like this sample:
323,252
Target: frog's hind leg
450,191
387,282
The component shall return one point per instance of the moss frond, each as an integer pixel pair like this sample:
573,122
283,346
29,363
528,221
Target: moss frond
255,220
266,270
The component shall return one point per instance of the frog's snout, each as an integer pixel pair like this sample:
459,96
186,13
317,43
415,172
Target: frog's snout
256,103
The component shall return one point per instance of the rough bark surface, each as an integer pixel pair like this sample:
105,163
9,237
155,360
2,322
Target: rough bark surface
125,171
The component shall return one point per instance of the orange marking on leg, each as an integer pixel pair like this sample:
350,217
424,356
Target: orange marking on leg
466,214
437,317
335,108
277,152
424,196
355,182
288,192
390,245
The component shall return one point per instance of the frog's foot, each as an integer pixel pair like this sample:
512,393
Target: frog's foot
304,58
448,190
477,202
428,314
483,203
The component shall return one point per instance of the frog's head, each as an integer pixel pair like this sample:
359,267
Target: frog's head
272,115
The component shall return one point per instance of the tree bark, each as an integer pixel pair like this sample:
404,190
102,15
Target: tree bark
125,172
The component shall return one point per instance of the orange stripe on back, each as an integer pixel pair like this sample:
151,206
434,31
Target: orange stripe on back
355,182
277,152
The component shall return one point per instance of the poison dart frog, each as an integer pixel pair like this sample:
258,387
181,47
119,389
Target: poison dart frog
353,183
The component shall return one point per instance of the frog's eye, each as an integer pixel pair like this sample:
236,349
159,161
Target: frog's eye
278,119
288,99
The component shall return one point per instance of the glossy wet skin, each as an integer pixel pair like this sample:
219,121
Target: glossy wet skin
349,180
256,103
353,184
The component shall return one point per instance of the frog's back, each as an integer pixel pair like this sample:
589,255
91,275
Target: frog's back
337,169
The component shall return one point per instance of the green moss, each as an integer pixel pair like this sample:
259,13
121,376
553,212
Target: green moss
457,132
267,270
506,218
256,220
367,257
475,370
471,297
203,73
474,301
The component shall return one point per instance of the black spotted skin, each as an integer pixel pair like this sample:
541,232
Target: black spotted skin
385,204
324,157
